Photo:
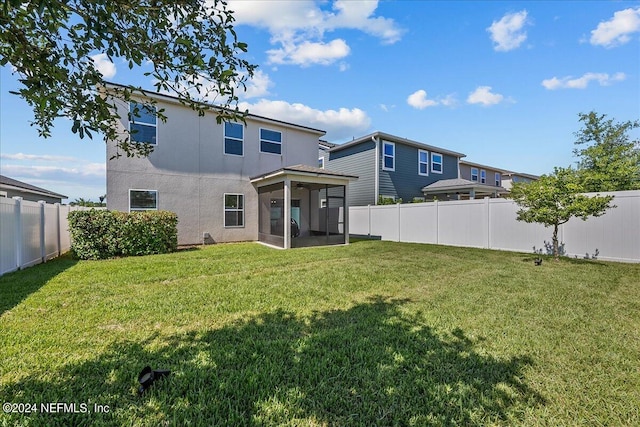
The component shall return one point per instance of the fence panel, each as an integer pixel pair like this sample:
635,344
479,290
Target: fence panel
510,235
51,231
8,235
419,223
615,235
65,236
462,223
31,233
492,223
384,222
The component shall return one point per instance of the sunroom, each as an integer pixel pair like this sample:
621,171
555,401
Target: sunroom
302,206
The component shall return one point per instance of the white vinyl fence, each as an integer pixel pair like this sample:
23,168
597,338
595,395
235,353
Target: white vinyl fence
491,223
31,232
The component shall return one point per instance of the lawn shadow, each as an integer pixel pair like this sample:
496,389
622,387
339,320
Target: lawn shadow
368,365
17,286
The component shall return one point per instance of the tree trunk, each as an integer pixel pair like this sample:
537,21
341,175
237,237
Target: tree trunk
556,254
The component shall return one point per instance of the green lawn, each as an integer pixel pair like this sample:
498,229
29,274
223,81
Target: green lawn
374,333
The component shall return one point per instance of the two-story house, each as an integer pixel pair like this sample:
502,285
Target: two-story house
474,181
389,167
228,182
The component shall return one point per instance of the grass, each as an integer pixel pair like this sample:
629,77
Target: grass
375,333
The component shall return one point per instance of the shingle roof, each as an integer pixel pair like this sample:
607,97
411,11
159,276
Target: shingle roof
459,183
5,180
305,169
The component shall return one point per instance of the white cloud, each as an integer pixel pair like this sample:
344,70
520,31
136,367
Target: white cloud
104,65
419,100
71,176
309,53
582,82
339,124
37,157
257,86
508,33
298,27
89,170
449,101
483,95
617,30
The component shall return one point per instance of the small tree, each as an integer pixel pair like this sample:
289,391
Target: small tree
609,160
556,198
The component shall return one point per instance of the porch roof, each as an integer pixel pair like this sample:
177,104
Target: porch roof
459,185
302,173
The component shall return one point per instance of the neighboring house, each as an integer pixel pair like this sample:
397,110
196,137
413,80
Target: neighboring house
475,181
10,187
323,152
391,167
229,182
509,177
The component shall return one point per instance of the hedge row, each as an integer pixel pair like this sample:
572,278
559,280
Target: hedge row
99,234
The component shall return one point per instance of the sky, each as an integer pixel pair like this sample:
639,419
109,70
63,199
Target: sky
502,82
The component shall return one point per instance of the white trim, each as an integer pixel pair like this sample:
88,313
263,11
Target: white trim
426,163
393,157
129,117
477,174
321,160
270,142
224,210
224,137
441,163
143,209
483,176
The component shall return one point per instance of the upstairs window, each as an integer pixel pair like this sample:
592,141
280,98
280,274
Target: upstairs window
270,141
143,200
498,177
321,162
436,163
423,162
483,176
474,174
233,139
142,123
388,156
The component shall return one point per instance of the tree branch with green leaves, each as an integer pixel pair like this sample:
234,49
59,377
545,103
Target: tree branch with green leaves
190,45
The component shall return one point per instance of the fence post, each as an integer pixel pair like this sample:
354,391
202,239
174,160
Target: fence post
58,233
398,205
43,248
17,208
437,222
488,224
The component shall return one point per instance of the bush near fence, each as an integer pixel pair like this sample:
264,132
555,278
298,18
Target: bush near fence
99,234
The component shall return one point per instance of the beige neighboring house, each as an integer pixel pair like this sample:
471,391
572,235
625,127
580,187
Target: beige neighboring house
10,187
510,177
230,181
475,180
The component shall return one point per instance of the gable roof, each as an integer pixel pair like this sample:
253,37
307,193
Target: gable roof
396,139
305,170
459,184
14,184
176,100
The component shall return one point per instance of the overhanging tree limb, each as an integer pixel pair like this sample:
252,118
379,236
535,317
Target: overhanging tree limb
190,44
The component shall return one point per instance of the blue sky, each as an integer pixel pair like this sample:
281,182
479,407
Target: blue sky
502,82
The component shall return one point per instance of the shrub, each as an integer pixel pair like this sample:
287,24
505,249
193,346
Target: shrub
99,234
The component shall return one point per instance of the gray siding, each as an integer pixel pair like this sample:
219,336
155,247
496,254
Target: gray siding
358,160
405,182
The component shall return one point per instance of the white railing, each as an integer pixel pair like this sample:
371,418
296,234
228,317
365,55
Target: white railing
491,223
32,232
